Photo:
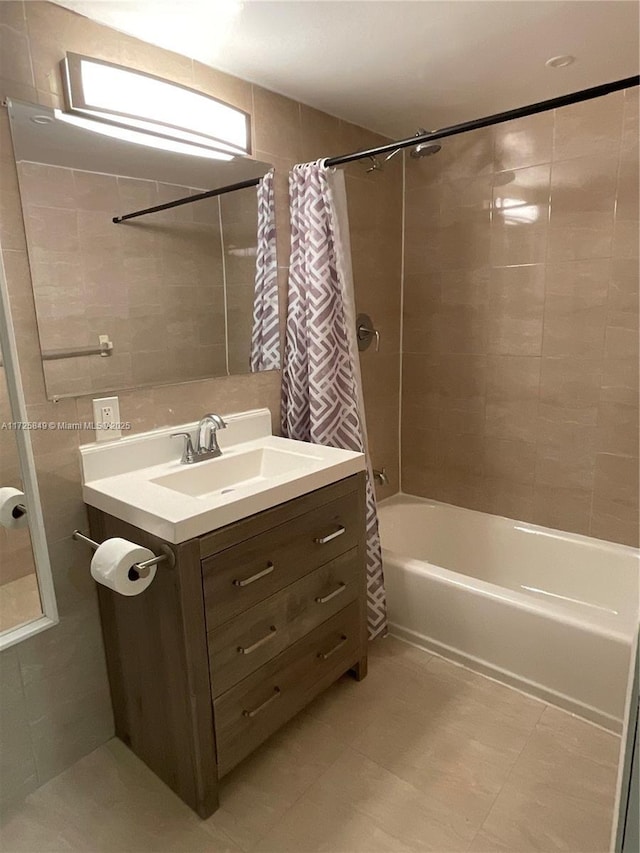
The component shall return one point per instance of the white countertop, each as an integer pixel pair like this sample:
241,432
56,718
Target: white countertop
120,477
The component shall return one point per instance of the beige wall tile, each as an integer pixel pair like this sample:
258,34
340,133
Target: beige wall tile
612,528
588,128
623,294
17,763
230,89
626,238
523,142
165,63
615,493
463,382
461,242
466,155
620,342
277,124
48,186
562,508
565,455
620,381
15,60
515,308
508,498
630,119
320,134
509,459
617,428
570,389
12,15
520,216
512,397
575,311
97,192
462,287
52,33
11,222
583,196
627,190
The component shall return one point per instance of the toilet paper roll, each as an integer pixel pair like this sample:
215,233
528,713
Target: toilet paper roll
11,516
113,566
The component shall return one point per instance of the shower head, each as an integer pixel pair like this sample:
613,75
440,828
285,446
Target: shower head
425,149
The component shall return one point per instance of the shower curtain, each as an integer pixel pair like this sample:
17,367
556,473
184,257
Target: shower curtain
265,335
321,387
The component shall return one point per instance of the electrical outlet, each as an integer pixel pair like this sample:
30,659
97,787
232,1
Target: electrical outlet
106,414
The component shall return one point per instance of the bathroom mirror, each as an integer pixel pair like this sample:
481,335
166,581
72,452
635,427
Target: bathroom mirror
161,298
27,600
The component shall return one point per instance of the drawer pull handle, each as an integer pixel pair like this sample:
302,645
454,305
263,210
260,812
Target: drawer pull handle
322,540
256,577
339,645
248,649
322,599
252,714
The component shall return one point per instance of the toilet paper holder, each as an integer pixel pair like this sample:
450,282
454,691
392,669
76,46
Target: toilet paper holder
142,568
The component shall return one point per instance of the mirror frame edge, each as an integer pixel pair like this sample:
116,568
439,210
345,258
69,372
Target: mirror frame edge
15,391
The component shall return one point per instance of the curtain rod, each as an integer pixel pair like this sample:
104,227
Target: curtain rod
496,118
253,182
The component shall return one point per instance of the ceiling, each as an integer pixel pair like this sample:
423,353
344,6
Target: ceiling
394,66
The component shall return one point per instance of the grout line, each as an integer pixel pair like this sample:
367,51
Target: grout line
507,777
300,796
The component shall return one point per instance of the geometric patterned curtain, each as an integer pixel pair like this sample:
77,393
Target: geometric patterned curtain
320,399
265,335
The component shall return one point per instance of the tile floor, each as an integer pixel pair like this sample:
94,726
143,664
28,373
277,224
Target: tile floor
19,602
420,756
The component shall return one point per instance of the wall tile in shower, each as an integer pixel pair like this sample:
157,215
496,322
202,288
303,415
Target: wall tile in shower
541,350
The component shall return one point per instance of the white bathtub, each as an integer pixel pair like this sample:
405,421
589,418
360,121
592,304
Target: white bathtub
549,612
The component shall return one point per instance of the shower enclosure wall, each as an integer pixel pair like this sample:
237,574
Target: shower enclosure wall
520,321
519,398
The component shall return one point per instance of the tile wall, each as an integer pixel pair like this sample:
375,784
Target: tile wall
520,346
239,217
154,285
54,702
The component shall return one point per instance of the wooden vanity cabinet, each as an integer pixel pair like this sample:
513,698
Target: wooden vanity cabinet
254,621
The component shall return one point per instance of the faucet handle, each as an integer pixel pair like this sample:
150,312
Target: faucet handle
188,454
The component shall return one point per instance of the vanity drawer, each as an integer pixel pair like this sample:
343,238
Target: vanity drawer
241,576
240,646
247,714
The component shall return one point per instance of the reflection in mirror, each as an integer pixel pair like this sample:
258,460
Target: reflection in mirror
165,297
19,594
27,597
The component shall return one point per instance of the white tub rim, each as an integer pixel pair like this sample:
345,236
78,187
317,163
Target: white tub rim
529,526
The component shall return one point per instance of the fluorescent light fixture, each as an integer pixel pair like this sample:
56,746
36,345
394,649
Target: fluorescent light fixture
135,136
154,108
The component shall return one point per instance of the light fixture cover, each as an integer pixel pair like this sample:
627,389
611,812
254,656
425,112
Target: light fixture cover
120,96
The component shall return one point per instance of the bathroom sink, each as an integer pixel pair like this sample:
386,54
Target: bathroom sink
141,480
226,473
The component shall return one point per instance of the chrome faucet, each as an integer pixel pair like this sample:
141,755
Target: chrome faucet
207,445
381,476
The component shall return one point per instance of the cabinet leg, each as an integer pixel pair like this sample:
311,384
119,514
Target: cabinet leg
359,671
